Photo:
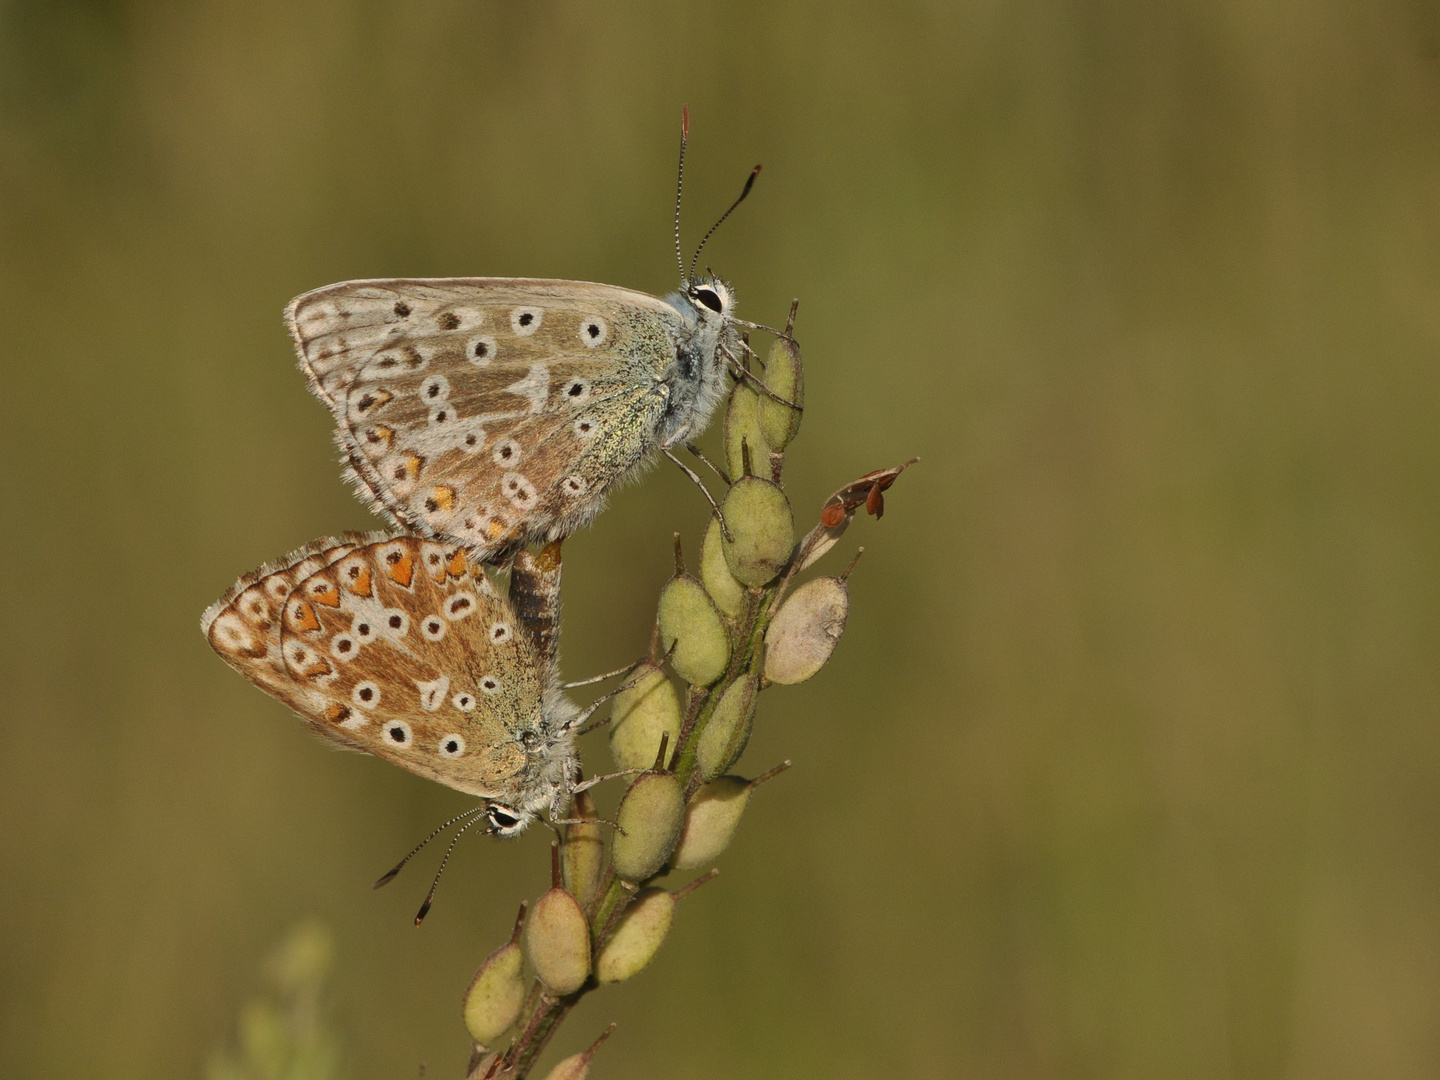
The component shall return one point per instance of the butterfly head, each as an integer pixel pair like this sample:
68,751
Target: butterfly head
507,820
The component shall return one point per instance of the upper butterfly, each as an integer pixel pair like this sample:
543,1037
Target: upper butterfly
499,411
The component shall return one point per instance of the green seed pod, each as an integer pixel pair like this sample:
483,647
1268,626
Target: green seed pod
742,432
713,816
496,993
582,856
691,625
642,712
649,817
784,377
728,594
710,822
723,740
577,1066
641,931
760,520
804,631
558,943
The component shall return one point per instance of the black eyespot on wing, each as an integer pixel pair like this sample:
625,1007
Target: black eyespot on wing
401,308
709,297
397,733
593,329
482,349
527,318
449,321
396,622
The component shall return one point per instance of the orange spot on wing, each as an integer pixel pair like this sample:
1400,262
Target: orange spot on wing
336,713
444,498
318,670
413,464
302,616
329,595
359,583
457,564
402,569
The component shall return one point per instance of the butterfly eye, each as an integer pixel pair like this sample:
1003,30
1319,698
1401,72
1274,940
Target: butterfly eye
502,819
710,298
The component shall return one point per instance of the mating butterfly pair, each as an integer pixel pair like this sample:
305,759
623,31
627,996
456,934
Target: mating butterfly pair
480,415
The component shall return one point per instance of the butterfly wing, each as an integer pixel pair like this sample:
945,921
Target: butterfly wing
488,410
398,647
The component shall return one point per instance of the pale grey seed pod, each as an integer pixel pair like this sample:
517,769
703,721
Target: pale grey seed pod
497,992
642,712
577,1066
724,737
582,855
743,436
759,518
637,938
713,816
557,940
728,594
804,631
784,377
691,626
650,817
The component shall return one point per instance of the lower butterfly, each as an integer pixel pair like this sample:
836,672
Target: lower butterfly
404,649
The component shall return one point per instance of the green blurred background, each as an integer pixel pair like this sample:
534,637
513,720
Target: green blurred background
1127,765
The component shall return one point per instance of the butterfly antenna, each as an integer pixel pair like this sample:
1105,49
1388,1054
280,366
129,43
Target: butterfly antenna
401,864
680,184
430,896
749,183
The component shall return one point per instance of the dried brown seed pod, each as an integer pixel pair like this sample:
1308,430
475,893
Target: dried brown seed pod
692,631
641,713
804,631
728,594
759,518
650,816
723,740
496,993
785,378
557,940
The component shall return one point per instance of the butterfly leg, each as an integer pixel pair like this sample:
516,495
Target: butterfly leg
744,374
714,506
713,467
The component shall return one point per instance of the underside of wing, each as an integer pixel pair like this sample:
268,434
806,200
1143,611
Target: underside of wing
243,626
340,329
418,661
440,388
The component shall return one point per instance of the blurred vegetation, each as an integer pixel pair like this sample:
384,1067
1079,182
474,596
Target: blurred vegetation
282,1035
1130,767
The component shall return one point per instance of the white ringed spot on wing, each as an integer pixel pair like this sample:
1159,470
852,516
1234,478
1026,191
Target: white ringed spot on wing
344,647
490,684
464,702
432,627
435,389
452,746
573,486
585,427
366,694
397,733
394,623
593,331
507,453
460,605
432,693
520,491
576,391
524,321
501,632
480,350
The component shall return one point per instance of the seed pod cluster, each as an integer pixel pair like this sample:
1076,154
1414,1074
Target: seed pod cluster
726,632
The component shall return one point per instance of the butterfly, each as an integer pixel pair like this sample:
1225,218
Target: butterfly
403,648
495,412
